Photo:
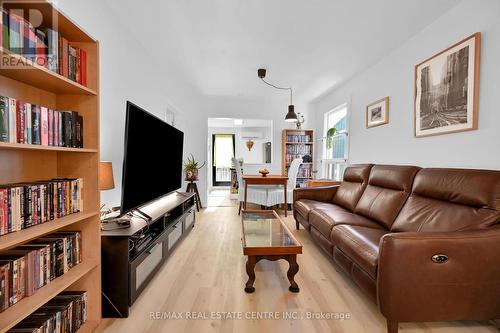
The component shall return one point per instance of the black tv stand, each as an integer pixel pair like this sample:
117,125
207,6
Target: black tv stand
130,257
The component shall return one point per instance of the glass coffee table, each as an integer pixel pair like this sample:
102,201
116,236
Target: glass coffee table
266,236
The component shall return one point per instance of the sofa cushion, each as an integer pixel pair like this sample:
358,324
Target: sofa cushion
361,244
325,219
305,206
451,200
353,185
388,188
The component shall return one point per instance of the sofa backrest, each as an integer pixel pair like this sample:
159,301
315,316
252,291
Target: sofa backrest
444,200
388,188
353,185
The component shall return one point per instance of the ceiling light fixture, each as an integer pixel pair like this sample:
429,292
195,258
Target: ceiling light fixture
291,116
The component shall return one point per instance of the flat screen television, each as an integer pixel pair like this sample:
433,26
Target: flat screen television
152,162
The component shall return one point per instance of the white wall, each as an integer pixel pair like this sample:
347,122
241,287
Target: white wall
394,77
128,71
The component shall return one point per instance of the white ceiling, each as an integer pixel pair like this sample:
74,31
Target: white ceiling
312,45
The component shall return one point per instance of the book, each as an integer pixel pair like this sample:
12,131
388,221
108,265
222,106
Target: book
44,126
20,121
41,48
15,33
36,120
4,119
27,123
71,63
12,120
29,41
63,54
52,49
50,114
5,29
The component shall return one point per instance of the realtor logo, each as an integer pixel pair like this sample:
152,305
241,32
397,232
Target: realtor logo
29,35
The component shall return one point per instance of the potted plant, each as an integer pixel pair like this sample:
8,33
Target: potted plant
191,167
329,137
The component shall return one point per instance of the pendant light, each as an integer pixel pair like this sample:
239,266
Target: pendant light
291,116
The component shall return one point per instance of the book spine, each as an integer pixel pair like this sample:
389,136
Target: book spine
5,29
12,120
44,126
52,50
15,37
4,119
29,41
28,124
35,117
20,121
41,48
50,115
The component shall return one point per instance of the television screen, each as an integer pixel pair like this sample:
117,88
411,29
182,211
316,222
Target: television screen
152,163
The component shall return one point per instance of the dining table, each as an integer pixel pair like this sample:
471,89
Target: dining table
266,180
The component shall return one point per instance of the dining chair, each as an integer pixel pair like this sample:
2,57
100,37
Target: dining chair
275,196
256,194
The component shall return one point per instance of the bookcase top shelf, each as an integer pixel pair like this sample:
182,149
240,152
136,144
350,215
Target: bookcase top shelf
41,77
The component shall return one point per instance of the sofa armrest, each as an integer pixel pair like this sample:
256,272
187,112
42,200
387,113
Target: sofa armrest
320,193
411,286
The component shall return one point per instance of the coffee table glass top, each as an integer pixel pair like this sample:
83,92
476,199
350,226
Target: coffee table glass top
265,229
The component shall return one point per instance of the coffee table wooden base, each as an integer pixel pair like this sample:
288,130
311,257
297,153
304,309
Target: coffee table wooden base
292,270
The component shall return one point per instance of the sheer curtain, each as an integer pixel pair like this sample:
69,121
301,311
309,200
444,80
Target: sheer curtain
223,153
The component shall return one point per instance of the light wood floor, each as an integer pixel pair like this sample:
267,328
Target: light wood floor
207,273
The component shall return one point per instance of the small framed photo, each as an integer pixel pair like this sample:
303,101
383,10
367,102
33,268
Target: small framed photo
377,113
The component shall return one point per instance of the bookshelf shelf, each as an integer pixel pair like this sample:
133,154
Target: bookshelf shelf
9,240
27,305
28,163
22,146
296,143
41,77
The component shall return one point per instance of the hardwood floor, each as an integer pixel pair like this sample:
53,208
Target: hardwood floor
206,273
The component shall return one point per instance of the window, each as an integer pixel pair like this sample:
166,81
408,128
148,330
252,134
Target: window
335,151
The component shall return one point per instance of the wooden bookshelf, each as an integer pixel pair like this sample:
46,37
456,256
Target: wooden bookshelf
302,147
25,163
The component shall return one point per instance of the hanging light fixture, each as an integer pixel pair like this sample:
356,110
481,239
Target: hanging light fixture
291,116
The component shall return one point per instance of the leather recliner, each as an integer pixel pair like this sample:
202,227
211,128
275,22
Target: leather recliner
424,244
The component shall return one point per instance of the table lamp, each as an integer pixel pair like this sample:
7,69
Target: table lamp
106,180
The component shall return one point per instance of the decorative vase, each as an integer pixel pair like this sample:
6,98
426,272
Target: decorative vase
192,175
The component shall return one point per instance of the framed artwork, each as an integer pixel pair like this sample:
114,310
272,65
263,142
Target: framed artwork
377,113
446,89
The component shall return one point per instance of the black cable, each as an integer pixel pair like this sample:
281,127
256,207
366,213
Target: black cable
280,88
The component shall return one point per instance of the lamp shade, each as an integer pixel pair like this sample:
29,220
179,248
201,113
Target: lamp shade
106,181
291,116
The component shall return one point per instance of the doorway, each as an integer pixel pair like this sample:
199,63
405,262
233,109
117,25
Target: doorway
223,148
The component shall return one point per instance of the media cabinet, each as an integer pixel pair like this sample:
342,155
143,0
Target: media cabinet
132,256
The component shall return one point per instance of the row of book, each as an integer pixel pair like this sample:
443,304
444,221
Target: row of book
44,46
26,205
65,313
298,138
28,267
27,123
290,157
298,149
305,171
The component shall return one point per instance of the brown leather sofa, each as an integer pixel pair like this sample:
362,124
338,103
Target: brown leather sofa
423,243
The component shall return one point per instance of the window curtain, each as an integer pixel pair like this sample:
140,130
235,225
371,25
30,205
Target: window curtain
223,150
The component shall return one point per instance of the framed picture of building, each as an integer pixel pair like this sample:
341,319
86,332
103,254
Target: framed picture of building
446,89
377,113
